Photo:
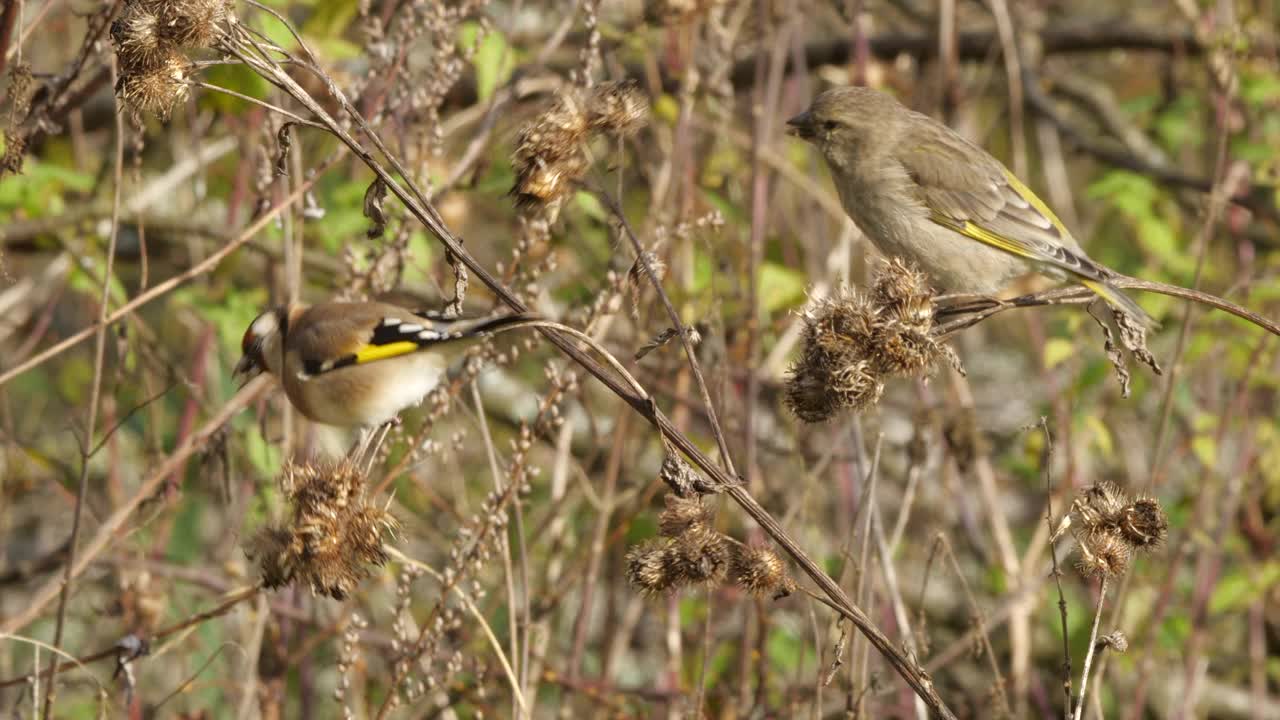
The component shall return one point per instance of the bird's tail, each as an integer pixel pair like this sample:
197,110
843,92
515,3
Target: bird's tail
1118,300
505,322
460,328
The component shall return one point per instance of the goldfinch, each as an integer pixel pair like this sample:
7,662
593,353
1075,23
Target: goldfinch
356,364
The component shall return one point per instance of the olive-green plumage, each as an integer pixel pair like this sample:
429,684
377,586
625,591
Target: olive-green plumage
920,191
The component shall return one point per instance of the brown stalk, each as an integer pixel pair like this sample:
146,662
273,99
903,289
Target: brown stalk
95,397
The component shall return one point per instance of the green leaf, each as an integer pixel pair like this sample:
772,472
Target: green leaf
1101,435
780,287
237,78
494,59
1057,350
1239,588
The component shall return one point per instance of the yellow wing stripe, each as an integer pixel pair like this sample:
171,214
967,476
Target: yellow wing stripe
1114,297
986,237
370,353
1025,193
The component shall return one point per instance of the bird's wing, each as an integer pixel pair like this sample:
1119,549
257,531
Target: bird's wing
330,336
970,192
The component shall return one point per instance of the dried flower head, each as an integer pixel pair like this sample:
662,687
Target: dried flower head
137,40
833,372
1099,505
760,571
903,292
157,89
1143,523
618,108
1102,555
853,342
550,155
1105,508
681,514
333,535
1116,642
190,23
1110,528
648,569
699,555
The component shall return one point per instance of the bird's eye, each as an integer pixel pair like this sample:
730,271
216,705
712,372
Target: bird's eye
829,125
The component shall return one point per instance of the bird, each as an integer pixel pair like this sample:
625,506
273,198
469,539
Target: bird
922,192
357,365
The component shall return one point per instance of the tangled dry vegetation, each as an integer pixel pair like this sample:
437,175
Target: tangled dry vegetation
743,474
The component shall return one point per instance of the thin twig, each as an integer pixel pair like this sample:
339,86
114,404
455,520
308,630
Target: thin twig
1047,459
95,397
1093,643
674,317
155,291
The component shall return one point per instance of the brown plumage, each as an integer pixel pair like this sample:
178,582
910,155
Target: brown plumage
922,192
357,364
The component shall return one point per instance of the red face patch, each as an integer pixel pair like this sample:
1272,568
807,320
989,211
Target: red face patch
248,340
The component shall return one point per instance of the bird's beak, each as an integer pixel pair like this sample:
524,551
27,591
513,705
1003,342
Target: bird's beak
245,370
801,126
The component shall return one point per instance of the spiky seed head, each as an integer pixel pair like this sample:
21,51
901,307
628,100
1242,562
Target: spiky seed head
1102,555
681,514
903,292
191,23
333,537
1100,505
137,40
699,555
760,571
648,569
1143,523
156,90
619,108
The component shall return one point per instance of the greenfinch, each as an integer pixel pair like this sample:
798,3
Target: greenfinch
920,191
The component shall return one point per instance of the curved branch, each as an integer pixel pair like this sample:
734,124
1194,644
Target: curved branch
969,310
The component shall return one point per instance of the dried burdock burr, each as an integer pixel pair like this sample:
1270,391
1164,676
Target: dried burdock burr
903,292
137,40
618,107
760,571
1143,523
699,555
190,23
648,569
333,536
1102,555
156,90
854,342
681,514
550,155
1110,528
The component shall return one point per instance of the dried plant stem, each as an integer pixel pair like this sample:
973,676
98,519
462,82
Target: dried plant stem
674,317
222,608
513,630
480,620
113,524
95,398
975,309
155,291
1057,574
1088,657
587,340
980,622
